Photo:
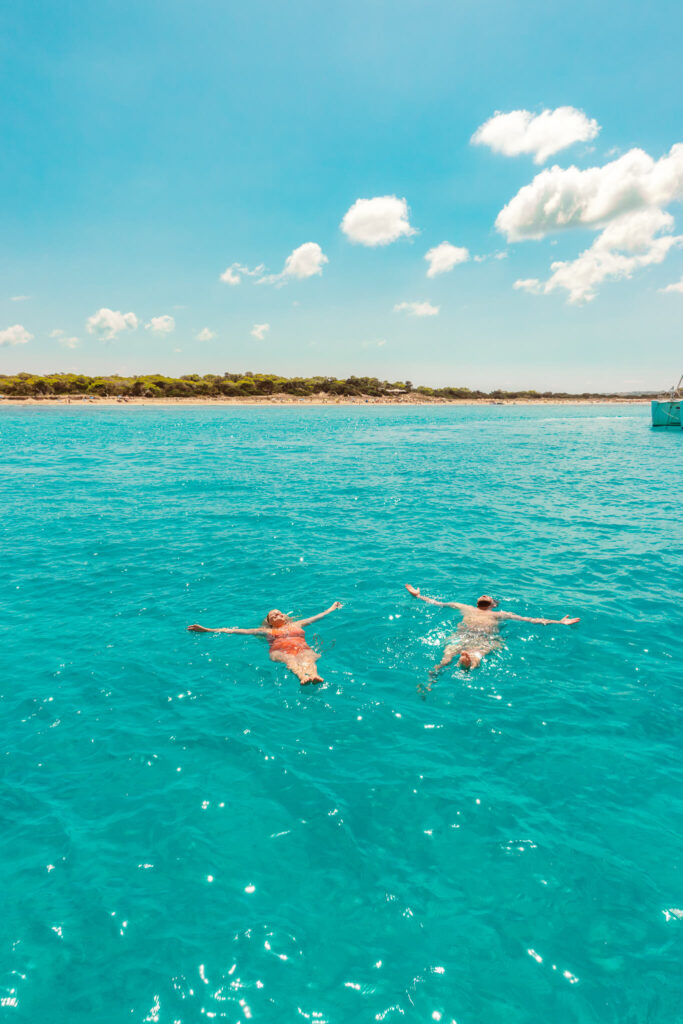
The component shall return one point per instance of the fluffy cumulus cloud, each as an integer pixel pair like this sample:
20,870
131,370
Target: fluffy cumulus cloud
15,335
377,221
417,308
107,323
632,241
560,198
538,135
677,286
306,261
161,324
623,199
259,331
205,335
444,257
234,273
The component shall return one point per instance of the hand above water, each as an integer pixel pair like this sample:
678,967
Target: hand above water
415,591
566,621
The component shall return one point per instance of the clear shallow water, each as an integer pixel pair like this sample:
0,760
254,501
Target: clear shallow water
190,835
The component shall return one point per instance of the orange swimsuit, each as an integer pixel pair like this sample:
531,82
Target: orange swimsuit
288,640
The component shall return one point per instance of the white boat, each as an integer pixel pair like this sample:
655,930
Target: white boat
666,412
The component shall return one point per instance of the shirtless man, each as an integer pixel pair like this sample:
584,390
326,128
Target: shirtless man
479,629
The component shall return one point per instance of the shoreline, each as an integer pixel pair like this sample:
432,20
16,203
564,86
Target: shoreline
315,400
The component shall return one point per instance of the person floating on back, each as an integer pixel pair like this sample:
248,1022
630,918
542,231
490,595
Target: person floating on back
479,629
287,641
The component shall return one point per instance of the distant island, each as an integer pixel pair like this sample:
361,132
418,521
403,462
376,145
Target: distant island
263,386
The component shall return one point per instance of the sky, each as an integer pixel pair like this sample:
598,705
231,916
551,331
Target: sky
477,194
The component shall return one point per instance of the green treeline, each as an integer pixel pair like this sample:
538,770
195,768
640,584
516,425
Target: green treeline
233,385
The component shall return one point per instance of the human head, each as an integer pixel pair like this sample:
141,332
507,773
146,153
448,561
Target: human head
486,603
276,618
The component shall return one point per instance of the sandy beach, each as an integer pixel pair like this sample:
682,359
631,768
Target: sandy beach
320,400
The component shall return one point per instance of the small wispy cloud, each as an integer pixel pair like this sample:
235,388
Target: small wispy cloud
444,257
163,324
236,271
205,335
259,331
69,342
417,308
528,284
501,255
19,298
677,286
305,261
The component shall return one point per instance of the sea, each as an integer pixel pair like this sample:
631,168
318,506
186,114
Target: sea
190,835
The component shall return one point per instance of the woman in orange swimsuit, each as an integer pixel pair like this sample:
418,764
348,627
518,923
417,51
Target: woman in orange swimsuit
287,641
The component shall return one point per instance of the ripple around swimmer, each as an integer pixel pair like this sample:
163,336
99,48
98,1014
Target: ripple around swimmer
188,832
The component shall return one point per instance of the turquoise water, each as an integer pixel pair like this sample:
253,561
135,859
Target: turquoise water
190,835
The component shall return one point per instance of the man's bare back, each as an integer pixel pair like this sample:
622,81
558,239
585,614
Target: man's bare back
479,629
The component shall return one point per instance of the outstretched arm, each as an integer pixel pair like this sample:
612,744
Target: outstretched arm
564,621
226,629
320,615
415,591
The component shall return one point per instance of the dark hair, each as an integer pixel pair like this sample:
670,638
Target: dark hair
485,602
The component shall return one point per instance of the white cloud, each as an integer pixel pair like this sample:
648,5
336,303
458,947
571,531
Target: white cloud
161,324
629,242
69,342
377,221
376,343
234,273
305,261
259,331
230,276
529,284
57,333
539,135
444,257
15,335
560,198
107,323
623,199
677,286
205,335
20,298
417,308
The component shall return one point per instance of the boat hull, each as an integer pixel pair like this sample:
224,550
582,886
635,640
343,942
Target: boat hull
666,414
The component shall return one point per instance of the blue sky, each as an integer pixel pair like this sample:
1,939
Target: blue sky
150,146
